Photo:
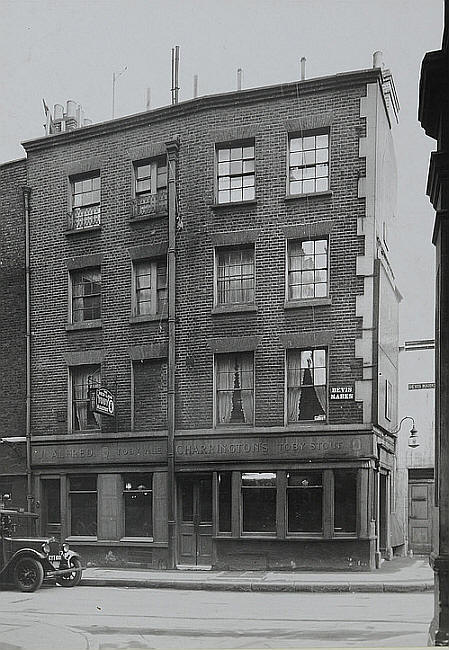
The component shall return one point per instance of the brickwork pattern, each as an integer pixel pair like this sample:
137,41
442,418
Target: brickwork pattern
51,246
12,300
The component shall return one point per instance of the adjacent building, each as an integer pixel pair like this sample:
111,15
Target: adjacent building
214,349
415,468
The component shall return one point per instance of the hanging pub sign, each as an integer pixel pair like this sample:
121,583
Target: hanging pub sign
102,401
341,393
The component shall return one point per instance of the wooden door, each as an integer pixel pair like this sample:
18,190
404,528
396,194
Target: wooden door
420,504
195,521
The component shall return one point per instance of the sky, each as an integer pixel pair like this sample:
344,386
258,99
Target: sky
69,49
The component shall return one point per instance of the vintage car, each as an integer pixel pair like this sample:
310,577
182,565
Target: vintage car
26,560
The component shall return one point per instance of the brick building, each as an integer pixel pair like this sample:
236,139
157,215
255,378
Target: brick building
255,391
13,331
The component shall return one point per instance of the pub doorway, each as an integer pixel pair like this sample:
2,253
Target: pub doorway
195,521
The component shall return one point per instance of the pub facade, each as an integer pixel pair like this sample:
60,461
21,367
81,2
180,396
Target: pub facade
218,272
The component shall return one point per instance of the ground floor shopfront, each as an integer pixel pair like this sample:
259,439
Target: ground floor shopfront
280,500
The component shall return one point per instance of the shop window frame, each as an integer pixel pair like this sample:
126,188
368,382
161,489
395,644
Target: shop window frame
132,538
70,491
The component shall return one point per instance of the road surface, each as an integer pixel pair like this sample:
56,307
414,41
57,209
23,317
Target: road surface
98,618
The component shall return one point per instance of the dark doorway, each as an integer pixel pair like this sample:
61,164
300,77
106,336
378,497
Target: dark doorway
51,507
195,521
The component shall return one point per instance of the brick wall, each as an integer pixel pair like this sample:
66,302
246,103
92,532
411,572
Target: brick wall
12,300
271,213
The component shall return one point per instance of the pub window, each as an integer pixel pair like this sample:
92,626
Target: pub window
345,501
83,378
224,501
235,388
305,502
83,505
259,502
138,504
306,385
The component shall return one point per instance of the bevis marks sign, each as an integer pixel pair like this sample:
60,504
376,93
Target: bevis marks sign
102,401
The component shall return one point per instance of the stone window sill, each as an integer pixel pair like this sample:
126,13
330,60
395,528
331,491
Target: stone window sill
291,197
307,302
234,204
80,231
147,318
233,309
84,325
148,217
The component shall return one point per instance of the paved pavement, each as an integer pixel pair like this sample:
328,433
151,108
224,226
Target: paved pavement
399,575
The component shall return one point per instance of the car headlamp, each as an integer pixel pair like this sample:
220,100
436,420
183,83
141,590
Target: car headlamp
65,547
46,548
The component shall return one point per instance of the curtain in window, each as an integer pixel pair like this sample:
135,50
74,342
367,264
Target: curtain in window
321,395
246,382
294,381
225,386
83,379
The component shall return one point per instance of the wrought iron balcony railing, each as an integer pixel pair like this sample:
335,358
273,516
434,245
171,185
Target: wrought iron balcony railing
146,205
85,217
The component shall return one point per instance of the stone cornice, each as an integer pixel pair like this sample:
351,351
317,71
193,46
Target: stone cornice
208,102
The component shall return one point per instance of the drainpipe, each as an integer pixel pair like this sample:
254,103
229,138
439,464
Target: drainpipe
26,204
172,156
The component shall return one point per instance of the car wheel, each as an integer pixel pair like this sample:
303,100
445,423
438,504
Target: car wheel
28,574
71,579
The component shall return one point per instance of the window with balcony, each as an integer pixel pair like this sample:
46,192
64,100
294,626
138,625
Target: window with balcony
234,276
308,163
150,187
85,304
85,201
308,269
235,173
149,294
306,385
82,379
235,388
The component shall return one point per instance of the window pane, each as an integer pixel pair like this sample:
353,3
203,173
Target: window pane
83,514
308,186
322,141
259,502
308,142
248,193
304,502
296,144
224,502
236,153
138,504
345,504
224,155
235,388
248,152
322,184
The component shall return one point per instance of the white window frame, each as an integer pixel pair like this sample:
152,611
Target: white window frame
153,262
235,145
304,134
71,276
223,249
287,267
215,390
154,164
305,349
70,420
